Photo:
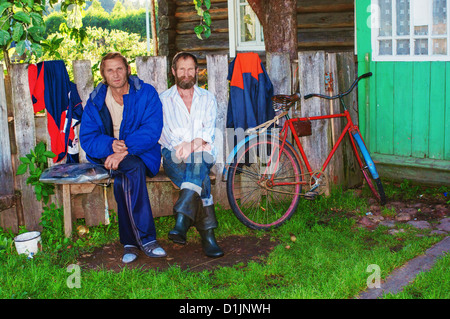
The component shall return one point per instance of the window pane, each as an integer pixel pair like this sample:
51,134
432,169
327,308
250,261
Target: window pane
402,47
403,17
440,46
421,17
248,25
421,30
439,17
385,47
421,47
385,17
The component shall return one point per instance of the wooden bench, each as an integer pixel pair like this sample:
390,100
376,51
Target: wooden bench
162,193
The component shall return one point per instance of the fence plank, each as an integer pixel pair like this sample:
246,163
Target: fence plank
25,139
83,78
153,70
312,80
6,171
218,85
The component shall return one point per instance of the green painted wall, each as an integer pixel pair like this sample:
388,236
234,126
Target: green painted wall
404,108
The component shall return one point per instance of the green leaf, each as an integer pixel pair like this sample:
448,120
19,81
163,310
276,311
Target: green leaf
40,148
37,49
207,3
4,37
37,19
207,18
22,17
207,31
198,31
36,33
21,169
17,32
20,47
25,160
4,6
49,154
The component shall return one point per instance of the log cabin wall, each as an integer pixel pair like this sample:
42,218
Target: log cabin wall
322,25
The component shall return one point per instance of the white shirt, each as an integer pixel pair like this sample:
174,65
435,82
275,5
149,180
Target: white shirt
182,126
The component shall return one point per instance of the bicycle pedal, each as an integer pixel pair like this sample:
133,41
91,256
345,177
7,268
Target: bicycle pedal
311,195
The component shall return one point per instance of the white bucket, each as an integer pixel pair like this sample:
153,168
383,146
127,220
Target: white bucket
28,243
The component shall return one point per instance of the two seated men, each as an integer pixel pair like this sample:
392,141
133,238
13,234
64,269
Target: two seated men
126,127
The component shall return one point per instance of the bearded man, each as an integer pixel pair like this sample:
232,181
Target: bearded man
188,152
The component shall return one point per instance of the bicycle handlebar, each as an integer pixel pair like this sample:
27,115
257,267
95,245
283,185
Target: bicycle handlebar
365,75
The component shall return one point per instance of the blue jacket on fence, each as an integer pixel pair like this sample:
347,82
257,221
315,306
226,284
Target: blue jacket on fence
140,129
251,91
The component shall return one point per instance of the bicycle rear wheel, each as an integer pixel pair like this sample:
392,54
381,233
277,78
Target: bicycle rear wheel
368,168
256,199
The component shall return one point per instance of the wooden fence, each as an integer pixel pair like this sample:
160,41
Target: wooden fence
21,129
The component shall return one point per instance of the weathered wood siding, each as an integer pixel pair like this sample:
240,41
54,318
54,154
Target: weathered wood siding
322,25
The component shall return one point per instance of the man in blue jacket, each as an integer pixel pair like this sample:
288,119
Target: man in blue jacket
120,128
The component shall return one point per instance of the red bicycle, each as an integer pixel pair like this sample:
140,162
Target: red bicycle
267,176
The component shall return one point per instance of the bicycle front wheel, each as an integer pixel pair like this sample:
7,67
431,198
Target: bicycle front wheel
368,168
264,183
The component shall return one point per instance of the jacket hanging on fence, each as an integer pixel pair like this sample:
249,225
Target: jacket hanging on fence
250,92
52,89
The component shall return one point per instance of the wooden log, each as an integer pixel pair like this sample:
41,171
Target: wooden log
218,85
153,70
217,26
25,140
218,11
192,43
325,20
189,2
326,38
306,6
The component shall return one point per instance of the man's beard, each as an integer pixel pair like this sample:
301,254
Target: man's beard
186,82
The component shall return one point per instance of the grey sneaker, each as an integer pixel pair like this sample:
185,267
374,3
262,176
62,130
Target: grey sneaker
130,254
153,249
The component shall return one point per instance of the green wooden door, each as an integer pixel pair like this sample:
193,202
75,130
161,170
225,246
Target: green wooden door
405,106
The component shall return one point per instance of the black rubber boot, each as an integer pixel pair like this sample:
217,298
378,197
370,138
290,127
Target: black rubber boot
185,210
178,233
205,223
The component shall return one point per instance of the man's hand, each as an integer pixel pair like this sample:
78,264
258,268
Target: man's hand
183,150
113,160
119,146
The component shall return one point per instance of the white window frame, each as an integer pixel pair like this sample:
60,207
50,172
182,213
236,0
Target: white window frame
411,57
234,26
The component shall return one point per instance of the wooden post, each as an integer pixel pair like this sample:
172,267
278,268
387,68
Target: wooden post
83,78
153,70
25,139
6,171
279,70
312,80
347,73
336,167
8,215
218,85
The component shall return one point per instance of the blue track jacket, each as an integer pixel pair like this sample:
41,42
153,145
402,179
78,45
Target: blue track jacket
140,129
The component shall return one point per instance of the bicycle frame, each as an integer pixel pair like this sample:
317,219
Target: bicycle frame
348,128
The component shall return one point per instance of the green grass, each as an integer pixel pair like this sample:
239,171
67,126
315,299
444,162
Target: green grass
328,260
